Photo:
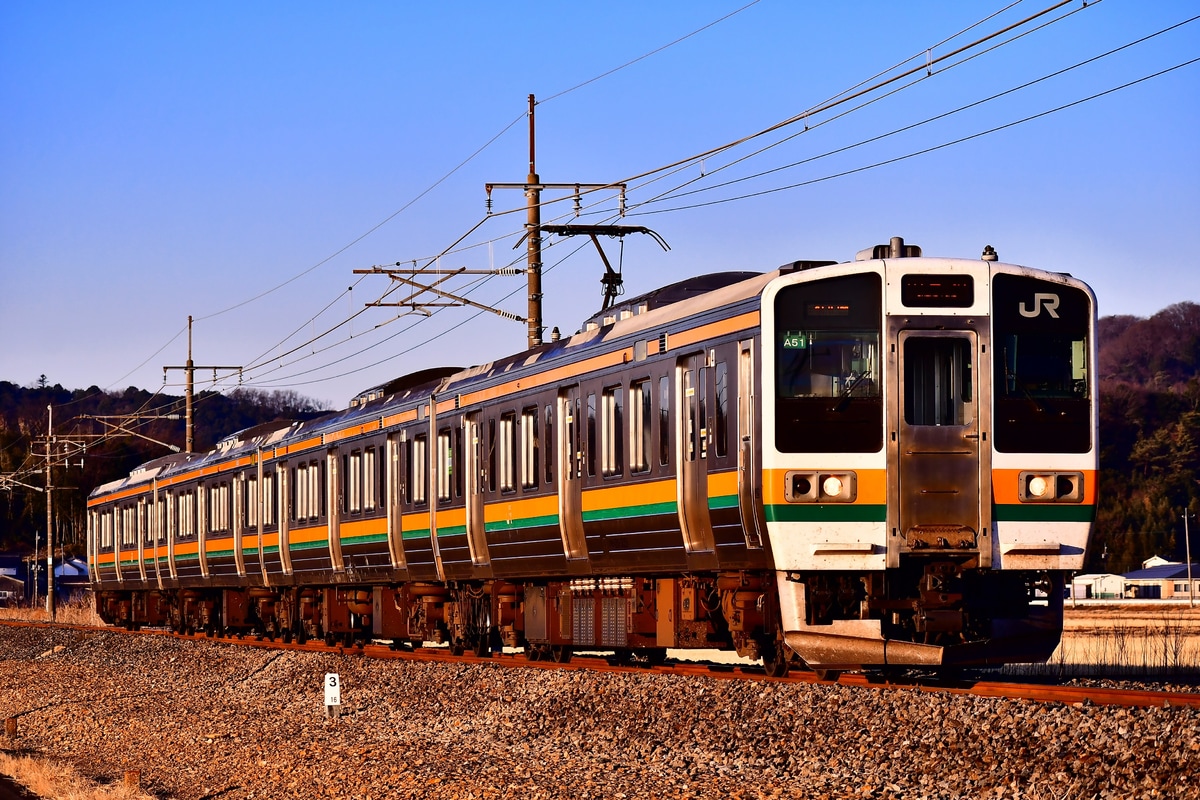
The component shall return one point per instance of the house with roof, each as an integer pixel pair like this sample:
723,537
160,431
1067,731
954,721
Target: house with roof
1159,579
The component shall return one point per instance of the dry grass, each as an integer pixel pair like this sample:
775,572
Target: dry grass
1145,648
67,613
55,780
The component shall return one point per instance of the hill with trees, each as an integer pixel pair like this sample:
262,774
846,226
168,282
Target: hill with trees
81,417
1149,437
1149,371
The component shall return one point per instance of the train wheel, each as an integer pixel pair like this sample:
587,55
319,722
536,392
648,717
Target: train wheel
656,656
330,639
532,652
457,649
560,653
776,664
830,675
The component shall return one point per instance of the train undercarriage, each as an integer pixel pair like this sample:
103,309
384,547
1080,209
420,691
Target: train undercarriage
934,613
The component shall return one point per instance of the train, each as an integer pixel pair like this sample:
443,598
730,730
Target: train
883,463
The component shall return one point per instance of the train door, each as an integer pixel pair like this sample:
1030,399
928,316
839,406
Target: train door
476,536
283,481
237,519
570,473
394,497
749,473
691,411
939,442
334,505
157,530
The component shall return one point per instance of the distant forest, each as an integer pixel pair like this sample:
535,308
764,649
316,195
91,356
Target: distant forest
80,417
1149,371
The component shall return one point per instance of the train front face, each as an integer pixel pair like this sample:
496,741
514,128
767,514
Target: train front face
929,455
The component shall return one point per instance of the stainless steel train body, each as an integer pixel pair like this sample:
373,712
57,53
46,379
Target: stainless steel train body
890,461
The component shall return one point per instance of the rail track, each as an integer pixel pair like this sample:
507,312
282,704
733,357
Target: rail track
964,684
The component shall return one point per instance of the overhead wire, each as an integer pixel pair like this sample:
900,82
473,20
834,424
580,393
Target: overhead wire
934,148
829,104
675,194
833,102
837,100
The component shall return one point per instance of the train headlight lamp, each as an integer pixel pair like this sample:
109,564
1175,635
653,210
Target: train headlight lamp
820,487
832,486
1050,487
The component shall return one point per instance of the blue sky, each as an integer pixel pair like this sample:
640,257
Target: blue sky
165,159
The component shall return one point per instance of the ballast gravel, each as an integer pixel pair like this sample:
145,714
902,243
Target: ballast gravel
205,719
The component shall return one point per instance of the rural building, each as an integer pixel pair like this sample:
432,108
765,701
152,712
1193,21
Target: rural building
1098,587
1159,579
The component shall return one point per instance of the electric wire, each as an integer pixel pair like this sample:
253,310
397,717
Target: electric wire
845,96
675,194
932,149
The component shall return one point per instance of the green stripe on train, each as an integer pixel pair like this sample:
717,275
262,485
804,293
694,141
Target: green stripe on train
826,512
631,512
1044,512
527,522
728,501
370,538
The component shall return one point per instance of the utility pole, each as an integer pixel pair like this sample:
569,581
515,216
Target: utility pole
190,369
533,225
50,609
1187,548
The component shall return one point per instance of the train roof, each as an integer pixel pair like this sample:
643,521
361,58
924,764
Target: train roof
708,294
405,384
666,295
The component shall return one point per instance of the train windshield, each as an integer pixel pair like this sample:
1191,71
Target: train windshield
827,373
1040,357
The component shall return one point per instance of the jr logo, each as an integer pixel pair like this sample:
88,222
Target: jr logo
1041,300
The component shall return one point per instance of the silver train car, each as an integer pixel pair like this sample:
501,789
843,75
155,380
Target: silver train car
881,463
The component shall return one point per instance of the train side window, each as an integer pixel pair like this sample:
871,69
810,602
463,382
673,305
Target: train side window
293,492
639,426
218,508
370,479
352,482
445,464
418,465
721,391
664,419
591,434
147,533
612,460
529,448
548,443
318,472
491,459
457,466
250,502
187,514
300,512
508,451
269,498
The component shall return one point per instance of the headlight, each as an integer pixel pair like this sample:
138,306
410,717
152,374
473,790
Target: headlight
820,487
1050,487
832,486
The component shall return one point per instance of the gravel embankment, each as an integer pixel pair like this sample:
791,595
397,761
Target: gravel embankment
211,720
